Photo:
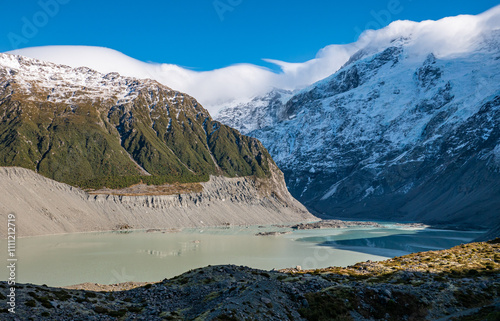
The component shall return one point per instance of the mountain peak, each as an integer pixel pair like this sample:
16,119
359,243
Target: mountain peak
60,83
396,133
86,128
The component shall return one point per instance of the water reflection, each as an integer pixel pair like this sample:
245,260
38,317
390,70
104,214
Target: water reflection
407,242
185,247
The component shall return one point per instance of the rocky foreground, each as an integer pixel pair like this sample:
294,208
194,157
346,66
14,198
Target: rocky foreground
462,283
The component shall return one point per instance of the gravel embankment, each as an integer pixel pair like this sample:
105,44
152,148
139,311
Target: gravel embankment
44,206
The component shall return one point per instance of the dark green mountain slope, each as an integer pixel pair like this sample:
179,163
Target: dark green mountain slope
89,129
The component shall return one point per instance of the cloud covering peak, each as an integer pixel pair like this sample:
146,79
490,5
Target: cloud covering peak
448,36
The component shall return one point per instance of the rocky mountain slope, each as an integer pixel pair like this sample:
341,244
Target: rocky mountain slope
259,112
85,128
400,132
494,232
462,283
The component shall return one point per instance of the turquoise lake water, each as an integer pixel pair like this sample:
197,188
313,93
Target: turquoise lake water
115,257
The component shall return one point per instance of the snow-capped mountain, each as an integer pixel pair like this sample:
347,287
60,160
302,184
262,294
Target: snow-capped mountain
85,128
259,112
407,129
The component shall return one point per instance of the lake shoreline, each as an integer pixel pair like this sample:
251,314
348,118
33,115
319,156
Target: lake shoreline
461,281
120,256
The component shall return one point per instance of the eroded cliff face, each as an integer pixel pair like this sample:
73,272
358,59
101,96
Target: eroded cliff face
43,206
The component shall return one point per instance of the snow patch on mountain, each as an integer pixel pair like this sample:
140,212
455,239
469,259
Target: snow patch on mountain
259,112
67,84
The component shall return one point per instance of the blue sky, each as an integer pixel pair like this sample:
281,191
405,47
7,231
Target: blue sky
208,34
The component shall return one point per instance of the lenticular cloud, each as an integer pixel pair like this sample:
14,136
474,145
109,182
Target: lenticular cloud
445,37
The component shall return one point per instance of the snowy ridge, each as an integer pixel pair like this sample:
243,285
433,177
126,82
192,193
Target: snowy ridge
70,85
398,132
258,113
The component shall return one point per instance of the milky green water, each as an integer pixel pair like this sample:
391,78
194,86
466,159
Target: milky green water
140,256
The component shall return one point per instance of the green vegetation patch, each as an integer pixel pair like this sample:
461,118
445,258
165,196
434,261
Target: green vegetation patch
331,305
118,182
338,303
100,145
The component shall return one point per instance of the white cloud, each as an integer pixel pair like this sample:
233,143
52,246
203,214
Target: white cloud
445,37
214,88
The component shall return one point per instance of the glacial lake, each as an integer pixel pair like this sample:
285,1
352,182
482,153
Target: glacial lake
115,257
